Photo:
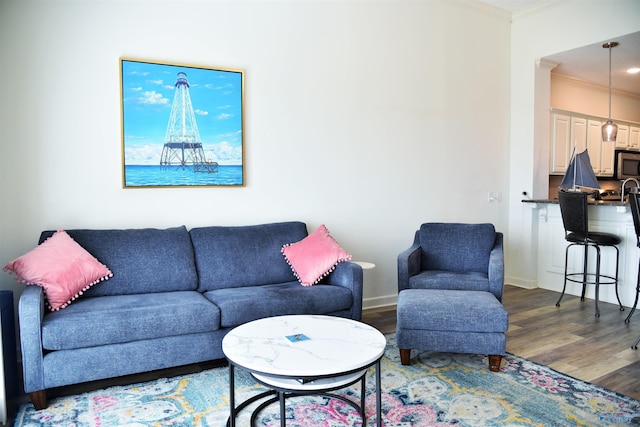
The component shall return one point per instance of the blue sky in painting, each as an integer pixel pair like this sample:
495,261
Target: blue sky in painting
147,95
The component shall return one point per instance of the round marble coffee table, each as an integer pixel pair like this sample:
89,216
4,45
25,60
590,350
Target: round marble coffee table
303,354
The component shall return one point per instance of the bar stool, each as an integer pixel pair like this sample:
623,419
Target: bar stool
574,211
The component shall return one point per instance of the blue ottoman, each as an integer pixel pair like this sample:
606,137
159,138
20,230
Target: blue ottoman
451,322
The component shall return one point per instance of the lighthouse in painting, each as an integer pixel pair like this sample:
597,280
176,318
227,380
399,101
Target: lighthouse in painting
182,144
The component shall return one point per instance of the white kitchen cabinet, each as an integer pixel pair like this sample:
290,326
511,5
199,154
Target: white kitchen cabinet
578,134
594,139
568,134
607,150
634,137
600,152
622,140
560,143
607,159
578,131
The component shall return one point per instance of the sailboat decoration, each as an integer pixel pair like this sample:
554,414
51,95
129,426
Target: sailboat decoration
579,174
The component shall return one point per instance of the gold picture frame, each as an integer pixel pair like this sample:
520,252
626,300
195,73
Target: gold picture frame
182,125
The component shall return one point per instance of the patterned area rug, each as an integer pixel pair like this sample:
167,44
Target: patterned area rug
436,390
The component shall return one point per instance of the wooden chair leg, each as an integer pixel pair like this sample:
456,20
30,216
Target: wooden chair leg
405,356
494,362
39,399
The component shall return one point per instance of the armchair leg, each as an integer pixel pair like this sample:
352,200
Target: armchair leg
494,362
405,356
39,399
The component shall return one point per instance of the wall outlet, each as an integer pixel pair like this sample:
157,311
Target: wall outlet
494,196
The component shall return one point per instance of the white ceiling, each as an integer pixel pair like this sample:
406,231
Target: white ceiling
590,63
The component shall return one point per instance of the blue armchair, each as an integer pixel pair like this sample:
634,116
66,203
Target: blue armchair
455,257
450,284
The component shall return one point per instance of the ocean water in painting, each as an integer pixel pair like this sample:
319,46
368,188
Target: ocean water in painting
152,176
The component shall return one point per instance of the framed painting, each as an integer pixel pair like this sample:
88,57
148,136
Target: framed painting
182,125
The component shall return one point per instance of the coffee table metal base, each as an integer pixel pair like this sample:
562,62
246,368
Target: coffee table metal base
281,389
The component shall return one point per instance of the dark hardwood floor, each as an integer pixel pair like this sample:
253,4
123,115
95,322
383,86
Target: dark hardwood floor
569,339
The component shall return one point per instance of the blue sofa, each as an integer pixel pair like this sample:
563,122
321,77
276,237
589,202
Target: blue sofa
173,296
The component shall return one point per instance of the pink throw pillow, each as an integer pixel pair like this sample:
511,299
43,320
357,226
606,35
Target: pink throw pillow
315,256
62,267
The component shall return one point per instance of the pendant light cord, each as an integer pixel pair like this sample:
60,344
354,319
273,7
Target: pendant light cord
610,81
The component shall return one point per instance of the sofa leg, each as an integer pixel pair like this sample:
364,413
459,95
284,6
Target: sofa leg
405,356
494,362
39,399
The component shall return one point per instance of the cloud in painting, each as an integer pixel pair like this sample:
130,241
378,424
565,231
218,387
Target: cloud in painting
151,97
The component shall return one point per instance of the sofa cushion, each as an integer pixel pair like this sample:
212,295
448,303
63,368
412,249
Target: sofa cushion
315,256
244,304
142,260
125,318
456,247
229,257
62,267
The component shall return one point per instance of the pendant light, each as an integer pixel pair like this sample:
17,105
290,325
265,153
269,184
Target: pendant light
609,129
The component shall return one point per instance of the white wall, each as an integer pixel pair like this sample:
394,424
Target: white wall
561,26
369,117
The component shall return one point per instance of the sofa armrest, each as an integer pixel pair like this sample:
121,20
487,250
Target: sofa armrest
496,267
409,262
31,314
349,275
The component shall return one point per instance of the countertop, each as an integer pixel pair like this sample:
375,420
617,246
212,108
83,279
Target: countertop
610,202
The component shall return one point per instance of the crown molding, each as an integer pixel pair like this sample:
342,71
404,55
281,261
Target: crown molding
588,85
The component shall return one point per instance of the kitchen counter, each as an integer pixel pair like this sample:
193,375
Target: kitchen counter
610,202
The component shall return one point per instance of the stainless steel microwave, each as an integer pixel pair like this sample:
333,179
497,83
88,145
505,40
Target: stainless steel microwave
627,164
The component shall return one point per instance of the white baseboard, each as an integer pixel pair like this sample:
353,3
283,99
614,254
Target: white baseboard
521,283
377,302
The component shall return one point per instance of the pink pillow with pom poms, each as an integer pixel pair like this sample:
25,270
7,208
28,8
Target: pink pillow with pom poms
315,256
62,267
